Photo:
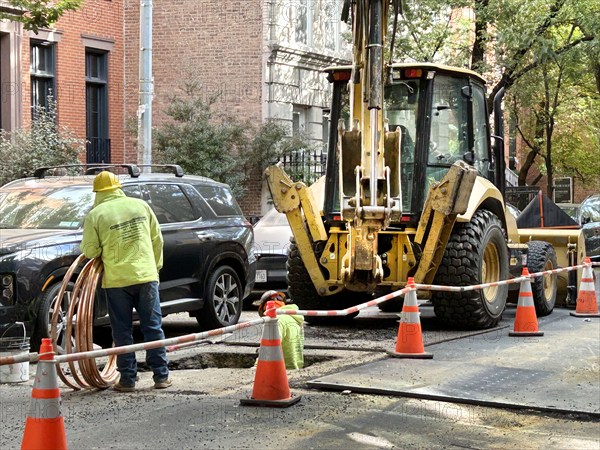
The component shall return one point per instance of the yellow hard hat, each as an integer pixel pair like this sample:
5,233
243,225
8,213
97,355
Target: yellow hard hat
106,181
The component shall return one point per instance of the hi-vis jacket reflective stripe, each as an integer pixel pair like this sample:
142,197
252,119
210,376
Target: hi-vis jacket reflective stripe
292,338
125,232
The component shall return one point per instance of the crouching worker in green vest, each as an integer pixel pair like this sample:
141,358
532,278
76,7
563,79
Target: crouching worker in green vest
290,328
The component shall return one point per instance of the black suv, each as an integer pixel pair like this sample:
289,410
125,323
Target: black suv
209,262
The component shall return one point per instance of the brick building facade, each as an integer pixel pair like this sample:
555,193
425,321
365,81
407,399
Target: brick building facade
79,63
262,59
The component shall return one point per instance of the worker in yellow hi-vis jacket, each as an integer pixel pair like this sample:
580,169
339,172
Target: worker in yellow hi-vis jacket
290,328
125,234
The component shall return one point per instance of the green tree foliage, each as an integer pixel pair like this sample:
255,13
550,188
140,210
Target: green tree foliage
431,31
36,14
545,53
42,144
208,142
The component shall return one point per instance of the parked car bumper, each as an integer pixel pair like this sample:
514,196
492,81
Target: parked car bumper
270,273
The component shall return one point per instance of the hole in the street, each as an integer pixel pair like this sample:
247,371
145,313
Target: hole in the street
228,361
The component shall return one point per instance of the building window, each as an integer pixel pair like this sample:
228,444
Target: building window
332,24
303,20
43,70
96,106
299,121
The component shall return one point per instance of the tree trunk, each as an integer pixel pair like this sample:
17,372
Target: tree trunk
480,37
533,153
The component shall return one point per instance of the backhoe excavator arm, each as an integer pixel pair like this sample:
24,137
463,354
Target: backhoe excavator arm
369,179
303,214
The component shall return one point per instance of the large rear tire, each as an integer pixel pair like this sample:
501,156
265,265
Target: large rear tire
476,253
302,292
541,257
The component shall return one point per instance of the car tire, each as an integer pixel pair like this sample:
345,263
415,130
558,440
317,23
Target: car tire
43,319
222,299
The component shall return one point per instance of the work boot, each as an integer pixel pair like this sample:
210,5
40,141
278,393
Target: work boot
124,387
162,384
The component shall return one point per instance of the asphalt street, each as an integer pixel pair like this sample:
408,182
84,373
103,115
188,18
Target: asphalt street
202,408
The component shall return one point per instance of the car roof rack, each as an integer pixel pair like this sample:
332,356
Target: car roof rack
90,169
94,169
175,168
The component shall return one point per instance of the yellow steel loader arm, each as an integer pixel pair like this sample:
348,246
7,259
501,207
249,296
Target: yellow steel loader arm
297,202
368,203
369,164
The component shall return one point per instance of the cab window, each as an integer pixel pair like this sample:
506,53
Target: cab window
480,132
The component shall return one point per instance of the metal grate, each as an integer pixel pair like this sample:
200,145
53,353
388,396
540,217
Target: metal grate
520,196
305,165
98,150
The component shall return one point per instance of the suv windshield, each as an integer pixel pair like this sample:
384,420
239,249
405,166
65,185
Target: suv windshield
45,207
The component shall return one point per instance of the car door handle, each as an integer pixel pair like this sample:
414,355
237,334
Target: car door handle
204,236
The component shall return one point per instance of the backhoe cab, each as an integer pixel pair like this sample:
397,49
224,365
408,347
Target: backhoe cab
413,187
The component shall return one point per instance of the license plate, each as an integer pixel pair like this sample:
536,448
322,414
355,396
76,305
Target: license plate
261,276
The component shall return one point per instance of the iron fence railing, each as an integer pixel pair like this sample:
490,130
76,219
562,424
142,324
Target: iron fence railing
305,165
98,150
520,196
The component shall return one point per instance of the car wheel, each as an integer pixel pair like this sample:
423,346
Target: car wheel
43,320
222,299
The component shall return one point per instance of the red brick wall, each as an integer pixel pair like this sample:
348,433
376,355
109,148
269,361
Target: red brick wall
101,19
205,40
217,43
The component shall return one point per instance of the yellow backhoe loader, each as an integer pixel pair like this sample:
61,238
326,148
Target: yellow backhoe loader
413,188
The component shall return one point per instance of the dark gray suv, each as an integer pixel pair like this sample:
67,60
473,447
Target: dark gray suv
209,261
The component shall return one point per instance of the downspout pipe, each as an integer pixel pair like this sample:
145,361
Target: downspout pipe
146,86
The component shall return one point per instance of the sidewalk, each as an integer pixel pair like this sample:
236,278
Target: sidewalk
558,372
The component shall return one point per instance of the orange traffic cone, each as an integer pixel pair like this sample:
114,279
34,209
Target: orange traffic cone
526,320
587,305
270,381
409,343
45,426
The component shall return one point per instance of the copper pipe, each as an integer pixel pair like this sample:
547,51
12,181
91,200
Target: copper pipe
79,329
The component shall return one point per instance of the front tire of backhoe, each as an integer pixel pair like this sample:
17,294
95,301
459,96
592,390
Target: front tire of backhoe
302,292
476,253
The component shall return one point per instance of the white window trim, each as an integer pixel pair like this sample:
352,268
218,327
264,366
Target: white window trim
53,36
97,43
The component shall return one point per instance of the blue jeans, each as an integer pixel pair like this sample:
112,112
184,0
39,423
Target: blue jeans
144,298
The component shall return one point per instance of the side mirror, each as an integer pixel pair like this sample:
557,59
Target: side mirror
469,157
